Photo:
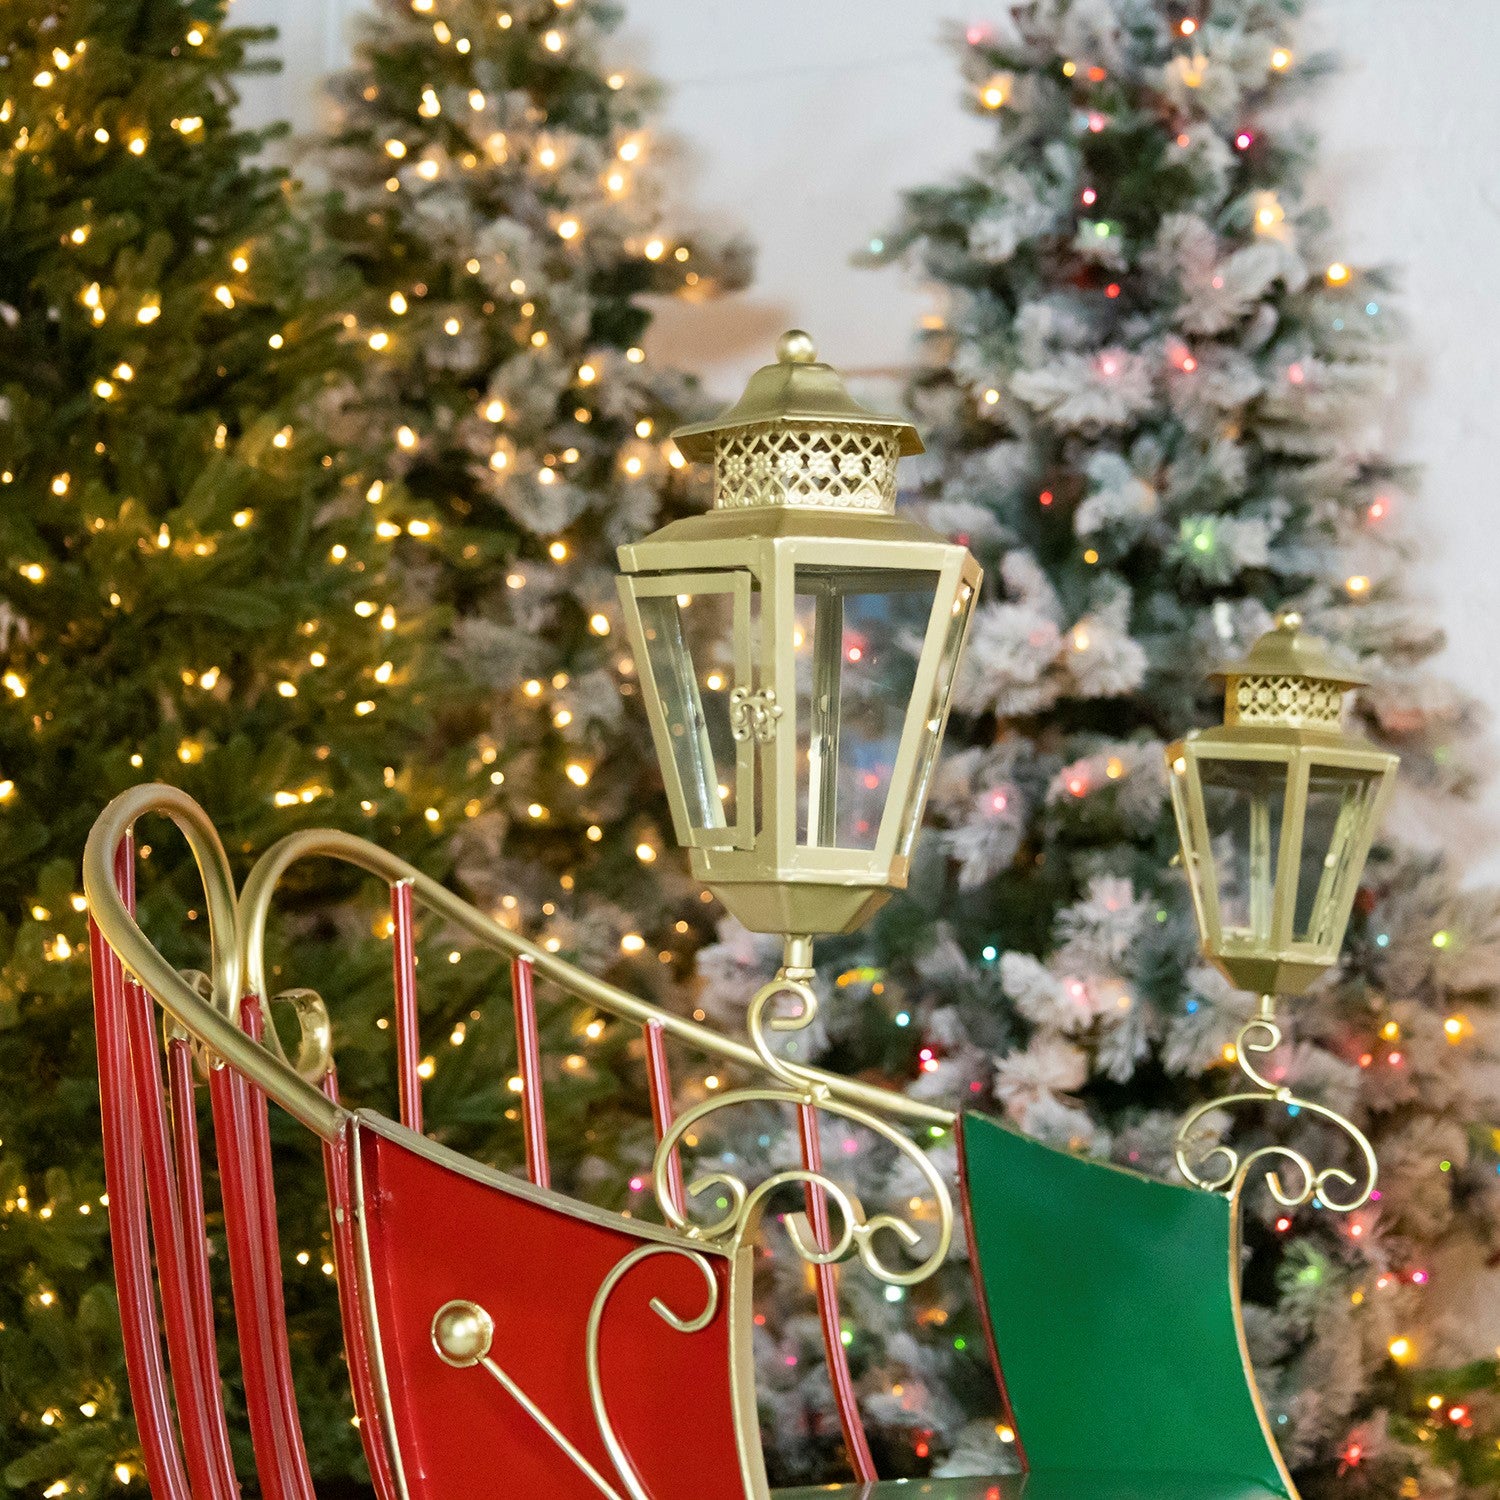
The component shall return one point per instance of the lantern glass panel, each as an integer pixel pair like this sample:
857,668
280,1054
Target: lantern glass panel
690,655
856,673
1340,805
1243,802
937,713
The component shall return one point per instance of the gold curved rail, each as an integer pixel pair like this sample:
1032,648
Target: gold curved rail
260,889
214,1021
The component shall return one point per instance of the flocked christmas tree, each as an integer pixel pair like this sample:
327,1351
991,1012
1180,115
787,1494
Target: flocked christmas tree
1150,405
500,194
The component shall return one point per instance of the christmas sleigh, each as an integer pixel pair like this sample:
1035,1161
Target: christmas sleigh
505,1339
795,650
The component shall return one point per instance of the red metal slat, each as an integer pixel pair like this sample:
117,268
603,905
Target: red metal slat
408,1038
529,1055
129,1234
195,1384
659,1077
827,1285
189,1167
292,1479
336,1167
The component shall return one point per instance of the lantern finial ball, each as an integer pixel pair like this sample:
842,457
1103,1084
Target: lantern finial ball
795,347
1289,619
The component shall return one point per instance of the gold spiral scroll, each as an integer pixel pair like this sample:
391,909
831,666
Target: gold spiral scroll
1261,1035
856,1234
624,1465
463,1336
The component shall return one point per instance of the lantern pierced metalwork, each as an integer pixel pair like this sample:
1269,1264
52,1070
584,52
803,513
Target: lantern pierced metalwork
797,647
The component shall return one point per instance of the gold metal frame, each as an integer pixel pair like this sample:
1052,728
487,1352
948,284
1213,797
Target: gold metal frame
780,883
802,1087
213,1022
1280,962
1283,706
1259,1036
737,585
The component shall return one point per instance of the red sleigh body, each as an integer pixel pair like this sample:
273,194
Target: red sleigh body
617,1356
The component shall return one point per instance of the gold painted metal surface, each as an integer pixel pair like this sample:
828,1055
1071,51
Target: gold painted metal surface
213,1022
797,390
259,893
1282,728
696,1323
857,1233
1261,1035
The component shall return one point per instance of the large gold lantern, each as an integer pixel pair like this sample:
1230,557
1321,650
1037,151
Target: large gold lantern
1276,810
797,647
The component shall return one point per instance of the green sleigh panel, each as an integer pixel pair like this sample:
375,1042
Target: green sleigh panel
1113,1302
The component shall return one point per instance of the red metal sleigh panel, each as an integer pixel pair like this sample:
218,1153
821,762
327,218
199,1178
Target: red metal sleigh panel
614,1358
593,1329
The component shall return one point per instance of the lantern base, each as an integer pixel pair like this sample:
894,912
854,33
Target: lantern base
1277,973
806,909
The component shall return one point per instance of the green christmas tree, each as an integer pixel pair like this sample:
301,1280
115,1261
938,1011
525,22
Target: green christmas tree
314,515
1150,407
190,593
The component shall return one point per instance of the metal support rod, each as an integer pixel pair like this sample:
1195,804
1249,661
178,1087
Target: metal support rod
663,1112
825,1279
408,1037
529,1058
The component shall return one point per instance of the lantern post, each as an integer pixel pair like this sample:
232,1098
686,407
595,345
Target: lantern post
1276,810
797,647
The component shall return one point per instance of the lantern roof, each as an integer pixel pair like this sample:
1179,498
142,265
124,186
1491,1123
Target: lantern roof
799,390
1285,651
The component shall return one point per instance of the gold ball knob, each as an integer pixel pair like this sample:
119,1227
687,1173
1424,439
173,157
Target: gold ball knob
462,1333
796,348
1289,620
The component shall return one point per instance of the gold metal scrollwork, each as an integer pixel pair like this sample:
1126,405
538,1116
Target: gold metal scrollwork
624,1465
463,1334
754,715
1261,1035
854,1232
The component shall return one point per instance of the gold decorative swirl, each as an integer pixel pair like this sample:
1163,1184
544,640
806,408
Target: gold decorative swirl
1261,1035
802,1087
624,1465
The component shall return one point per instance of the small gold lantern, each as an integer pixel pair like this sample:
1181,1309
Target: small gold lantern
1276,810
797,647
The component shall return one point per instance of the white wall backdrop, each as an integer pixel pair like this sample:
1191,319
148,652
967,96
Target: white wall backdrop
804,118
